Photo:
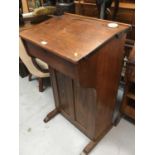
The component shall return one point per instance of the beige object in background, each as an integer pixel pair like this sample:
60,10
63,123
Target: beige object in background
27,60
39,12
48,10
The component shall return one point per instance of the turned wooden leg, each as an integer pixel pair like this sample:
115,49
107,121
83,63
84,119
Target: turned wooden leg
30,76
50,115
41,85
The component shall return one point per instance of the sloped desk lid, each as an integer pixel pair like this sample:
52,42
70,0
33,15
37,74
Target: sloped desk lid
72,37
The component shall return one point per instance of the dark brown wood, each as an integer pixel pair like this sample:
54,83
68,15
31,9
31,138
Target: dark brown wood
86,8
23,71
51,115
85,69
116,7
40,80
66,38
93,143
120,12
65,89
30,76
51,59
106,65
126,14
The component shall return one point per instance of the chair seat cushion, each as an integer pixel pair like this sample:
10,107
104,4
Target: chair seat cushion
42,64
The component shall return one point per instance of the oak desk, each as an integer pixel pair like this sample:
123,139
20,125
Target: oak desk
85,58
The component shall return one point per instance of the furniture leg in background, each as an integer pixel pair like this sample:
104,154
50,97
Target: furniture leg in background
41,89
23,72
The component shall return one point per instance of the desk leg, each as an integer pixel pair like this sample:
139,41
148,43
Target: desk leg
89,147
93,143
50,115
53,80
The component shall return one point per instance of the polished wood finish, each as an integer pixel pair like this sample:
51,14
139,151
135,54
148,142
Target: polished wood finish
66,38
122,12
85,68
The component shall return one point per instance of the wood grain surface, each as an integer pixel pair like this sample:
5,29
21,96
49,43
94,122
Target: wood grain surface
85,87
72,37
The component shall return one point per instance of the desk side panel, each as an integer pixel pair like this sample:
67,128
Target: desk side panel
102,70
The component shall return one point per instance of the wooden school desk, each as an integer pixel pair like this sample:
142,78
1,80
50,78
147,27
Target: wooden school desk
85,59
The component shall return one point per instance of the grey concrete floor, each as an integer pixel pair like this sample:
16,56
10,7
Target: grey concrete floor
59,136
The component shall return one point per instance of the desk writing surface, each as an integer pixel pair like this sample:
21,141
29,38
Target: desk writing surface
72,37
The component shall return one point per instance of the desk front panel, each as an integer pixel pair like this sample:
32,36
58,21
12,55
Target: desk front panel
51,59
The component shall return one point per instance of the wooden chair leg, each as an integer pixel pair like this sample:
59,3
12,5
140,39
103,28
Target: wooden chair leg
41,85
30,76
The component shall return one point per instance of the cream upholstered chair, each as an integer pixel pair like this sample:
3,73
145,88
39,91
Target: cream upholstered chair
36,67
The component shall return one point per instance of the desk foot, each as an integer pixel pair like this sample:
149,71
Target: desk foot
50,115
93,143
89,147
83,153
